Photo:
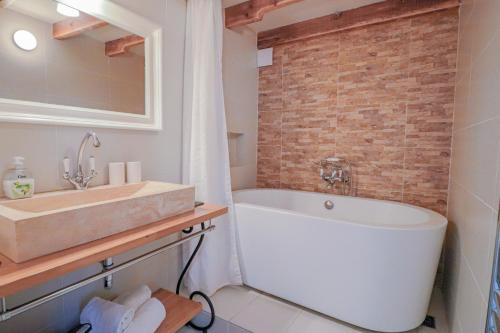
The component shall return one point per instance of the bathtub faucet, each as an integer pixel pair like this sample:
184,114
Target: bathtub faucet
334,177
334,170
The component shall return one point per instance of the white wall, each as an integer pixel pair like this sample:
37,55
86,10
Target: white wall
160,152
475,167
241,78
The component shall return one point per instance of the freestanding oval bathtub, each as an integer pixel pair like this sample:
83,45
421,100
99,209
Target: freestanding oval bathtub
371,263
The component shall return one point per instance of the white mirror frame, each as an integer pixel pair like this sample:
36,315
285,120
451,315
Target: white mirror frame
52,114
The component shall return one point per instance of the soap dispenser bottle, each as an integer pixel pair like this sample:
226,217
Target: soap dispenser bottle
18,182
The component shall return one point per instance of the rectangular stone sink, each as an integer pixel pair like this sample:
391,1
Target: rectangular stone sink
55,221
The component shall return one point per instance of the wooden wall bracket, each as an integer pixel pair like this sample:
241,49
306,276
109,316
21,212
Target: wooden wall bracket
252,11
119,46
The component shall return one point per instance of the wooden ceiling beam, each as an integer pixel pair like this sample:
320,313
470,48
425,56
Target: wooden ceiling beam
252,11
119,46
379,12
6,3
75,26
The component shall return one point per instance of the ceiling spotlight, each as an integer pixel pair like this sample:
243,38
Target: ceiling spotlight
25,40
67,11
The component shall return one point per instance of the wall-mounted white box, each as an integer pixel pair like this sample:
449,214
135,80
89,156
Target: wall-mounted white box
265,57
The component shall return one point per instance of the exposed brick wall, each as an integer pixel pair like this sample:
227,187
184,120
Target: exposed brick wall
380,96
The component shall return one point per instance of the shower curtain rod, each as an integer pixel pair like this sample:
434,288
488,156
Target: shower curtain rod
6,314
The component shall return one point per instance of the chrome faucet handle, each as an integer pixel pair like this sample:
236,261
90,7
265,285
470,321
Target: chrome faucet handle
91,175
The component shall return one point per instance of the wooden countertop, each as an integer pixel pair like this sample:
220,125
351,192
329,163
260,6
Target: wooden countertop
17,277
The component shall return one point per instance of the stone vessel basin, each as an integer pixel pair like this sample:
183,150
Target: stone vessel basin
54,221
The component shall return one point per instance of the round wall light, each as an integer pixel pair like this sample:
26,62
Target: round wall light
25,40
67,11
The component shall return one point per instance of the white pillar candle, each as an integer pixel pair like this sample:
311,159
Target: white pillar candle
134,172
116,173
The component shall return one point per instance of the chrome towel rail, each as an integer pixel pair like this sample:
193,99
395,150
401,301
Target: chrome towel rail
9,313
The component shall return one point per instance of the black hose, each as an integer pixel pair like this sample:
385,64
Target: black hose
206,327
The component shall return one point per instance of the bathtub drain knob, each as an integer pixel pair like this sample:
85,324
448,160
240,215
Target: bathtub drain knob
329,204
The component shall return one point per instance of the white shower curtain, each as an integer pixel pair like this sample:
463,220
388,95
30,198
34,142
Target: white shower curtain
205,147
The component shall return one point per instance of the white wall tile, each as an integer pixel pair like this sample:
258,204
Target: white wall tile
485,24
455,327
26,80
466,9
484,97
474,159
478,224
464,61
462,94
80,51
475,184
76,87
453,259
470,301
39,147
127,66
241,99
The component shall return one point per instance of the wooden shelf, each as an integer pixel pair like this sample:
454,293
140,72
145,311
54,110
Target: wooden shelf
180,311
17,277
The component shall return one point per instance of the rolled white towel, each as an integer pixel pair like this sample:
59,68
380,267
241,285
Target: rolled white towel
134,298
106,316
148,317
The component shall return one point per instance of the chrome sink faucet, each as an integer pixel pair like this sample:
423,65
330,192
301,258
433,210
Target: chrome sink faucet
79,180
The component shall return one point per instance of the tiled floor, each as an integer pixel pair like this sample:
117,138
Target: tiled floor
241,310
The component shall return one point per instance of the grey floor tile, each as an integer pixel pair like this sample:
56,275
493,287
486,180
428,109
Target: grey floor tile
236,329
219,326
187,330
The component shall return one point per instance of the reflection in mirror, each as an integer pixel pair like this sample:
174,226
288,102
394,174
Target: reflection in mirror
66,57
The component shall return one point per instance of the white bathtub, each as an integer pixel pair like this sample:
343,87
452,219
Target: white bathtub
371,263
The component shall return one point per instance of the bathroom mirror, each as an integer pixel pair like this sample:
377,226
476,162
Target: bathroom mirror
86,63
